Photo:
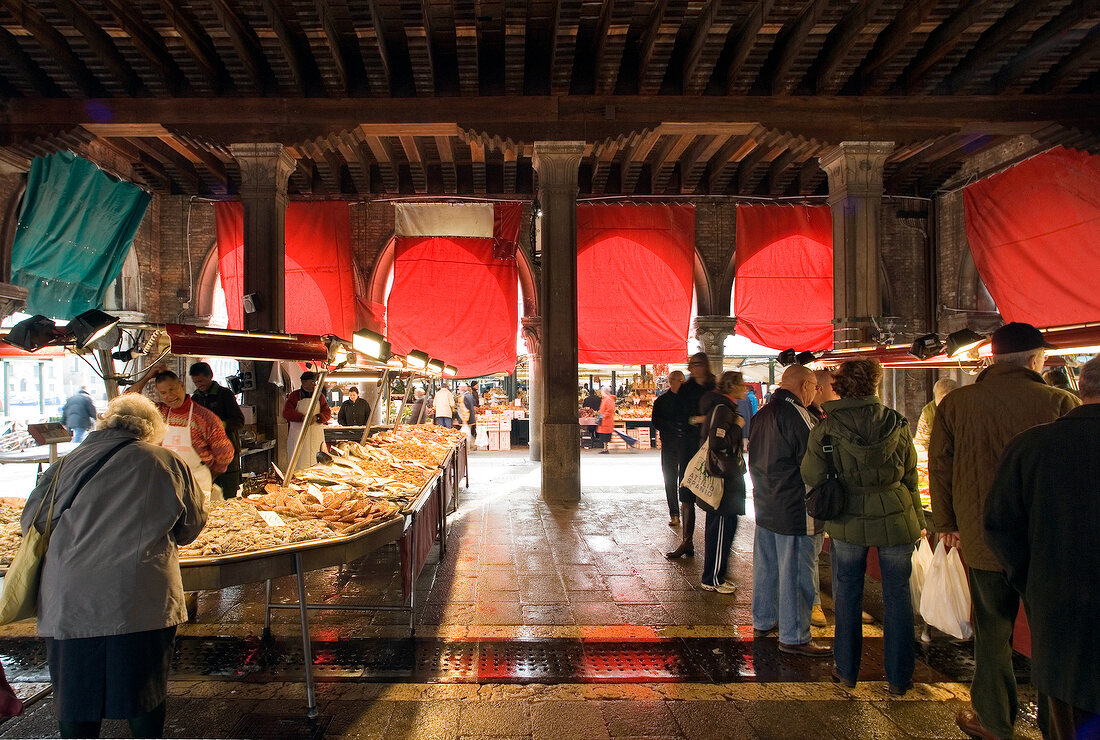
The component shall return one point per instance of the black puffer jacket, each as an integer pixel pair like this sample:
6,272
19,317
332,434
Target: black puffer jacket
779,433
723,435
687,406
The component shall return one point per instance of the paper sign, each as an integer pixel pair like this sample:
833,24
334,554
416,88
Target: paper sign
272,519
315,492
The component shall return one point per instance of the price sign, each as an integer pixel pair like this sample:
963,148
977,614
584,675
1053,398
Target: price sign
272,519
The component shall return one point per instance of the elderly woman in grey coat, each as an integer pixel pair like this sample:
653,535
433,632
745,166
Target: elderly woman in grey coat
111,595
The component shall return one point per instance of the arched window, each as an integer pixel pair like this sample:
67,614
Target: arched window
209,299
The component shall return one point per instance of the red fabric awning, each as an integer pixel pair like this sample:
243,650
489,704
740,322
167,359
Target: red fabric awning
1034,231
783,285
634,284
320,268
452,296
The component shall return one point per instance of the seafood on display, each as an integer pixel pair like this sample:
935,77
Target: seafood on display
234,526
11,509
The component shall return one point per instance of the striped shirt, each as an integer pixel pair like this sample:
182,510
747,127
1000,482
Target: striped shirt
207,435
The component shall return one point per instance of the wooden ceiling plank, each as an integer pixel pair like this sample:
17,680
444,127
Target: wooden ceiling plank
609,55
658,42
36,79
664,163
1085,54
198,45
416,19
515,34
212,163
54,42
347,146
247,45
893,39
713,29
170,159
941,42
724,163
746,39
778,166
447,163
477,161
635,159
381,153
466,39
295,58
989,45
839,44
101,44
602,167
790,45
1044,41
331,32
694,161
746,168
416,163
372,47
150,44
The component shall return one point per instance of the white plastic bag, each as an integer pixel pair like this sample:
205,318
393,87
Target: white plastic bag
482,441
707,488
945,602
922,561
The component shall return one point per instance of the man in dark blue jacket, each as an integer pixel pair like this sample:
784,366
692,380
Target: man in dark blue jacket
78,414
783,547
668,425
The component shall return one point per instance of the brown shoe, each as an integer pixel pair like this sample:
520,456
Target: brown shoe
759,634
867,618
810,649
817,617
969,723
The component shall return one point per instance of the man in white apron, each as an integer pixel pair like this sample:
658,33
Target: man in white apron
294,411
194,433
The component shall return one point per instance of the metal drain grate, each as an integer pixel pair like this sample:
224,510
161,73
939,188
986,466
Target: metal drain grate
280,727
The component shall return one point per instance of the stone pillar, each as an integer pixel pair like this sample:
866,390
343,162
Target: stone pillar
711,331
265,169
557,163
855,196
532,337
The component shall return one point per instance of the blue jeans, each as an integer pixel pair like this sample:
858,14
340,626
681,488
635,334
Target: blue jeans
79,434
783,584
849,565
444,421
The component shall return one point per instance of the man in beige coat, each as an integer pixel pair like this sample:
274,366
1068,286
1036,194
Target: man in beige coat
972,426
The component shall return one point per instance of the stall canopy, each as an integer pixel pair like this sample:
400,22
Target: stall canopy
454,284
320,269
75,229
1034,231
634,283
783,285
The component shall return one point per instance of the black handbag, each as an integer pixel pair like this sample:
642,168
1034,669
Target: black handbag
826,500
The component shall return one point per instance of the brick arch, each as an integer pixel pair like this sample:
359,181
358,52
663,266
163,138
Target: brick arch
7,235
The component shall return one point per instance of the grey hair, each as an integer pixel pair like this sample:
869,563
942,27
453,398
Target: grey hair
134,413
1088,382
729,380
942,387
1020,359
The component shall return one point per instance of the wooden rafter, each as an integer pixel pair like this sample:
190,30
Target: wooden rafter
893,39
724,164
940,169
416,163
1085,54
667,157
747,175
511,160
809,175
711,32
372,46
54,42
101,44
447,163
1048,38
150,44
746,39
658,42
465,14
381,153
477,162
170,161
941,42
695,160
839,44
635,159
566,27
198,45
331,42
36,79
346,144
416,21
604,154
989,45
515,34
298,59
789,46
246,44
214,167
612,41
932,153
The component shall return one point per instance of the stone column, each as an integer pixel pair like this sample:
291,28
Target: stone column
557,163
711,331
532,337
265,169
855,196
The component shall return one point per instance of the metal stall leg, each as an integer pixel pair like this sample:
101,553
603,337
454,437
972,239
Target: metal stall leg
442,517
307,647
267,612
412,571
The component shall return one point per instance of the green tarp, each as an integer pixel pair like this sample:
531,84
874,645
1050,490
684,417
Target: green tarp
75,229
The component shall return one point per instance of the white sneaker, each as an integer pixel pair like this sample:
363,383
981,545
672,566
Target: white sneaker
721,588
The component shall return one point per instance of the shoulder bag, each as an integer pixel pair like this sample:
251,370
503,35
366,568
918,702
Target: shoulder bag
707,488
19,599
826,500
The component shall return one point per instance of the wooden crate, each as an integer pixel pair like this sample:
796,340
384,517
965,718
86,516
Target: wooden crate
642,435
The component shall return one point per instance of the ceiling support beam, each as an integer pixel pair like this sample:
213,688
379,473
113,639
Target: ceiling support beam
54,42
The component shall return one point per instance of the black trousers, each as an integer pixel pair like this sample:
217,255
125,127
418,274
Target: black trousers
718,540
670,467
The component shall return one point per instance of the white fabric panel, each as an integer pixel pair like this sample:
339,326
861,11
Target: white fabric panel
472,220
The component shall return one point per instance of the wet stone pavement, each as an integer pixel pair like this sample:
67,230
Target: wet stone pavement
542,620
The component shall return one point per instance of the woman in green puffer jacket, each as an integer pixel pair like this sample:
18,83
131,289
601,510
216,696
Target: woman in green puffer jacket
877,465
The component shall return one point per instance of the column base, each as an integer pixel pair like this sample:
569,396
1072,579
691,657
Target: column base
561,461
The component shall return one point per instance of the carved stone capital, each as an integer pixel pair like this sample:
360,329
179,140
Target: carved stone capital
711,331
265,168
557,163
532,334
855,168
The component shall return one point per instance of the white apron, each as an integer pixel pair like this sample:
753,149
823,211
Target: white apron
178,440
314,440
